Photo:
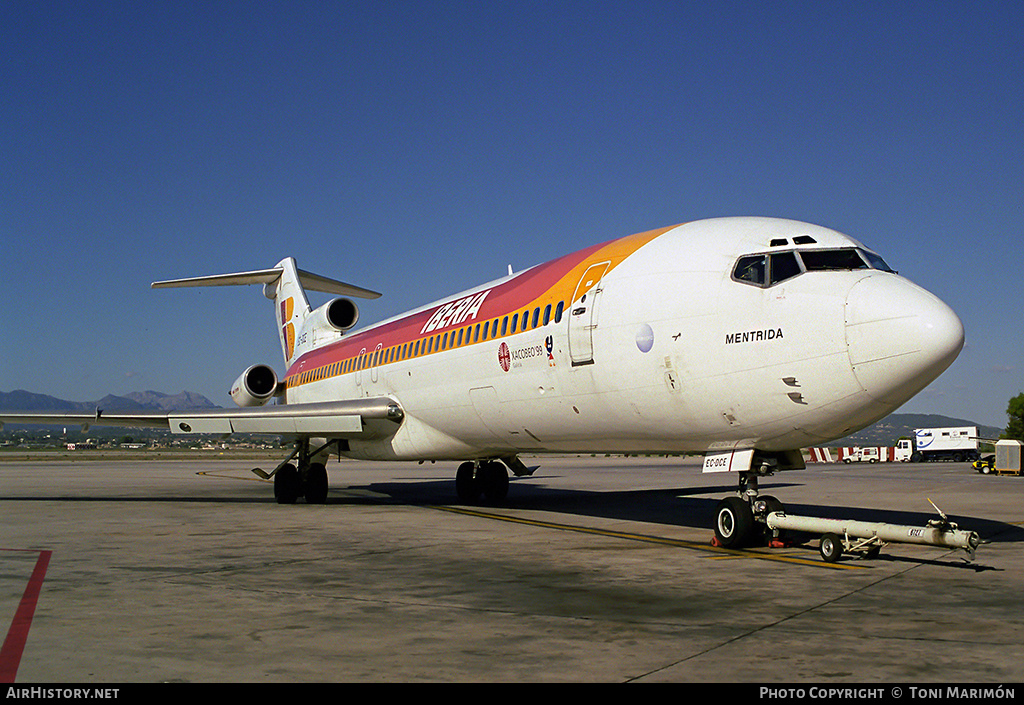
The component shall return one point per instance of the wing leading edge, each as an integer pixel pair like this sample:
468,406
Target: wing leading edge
335,419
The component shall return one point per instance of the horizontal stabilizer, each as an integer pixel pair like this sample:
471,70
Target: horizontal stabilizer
308,280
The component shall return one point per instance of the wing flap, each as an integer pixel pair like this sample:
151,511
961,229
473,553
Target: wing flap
355,417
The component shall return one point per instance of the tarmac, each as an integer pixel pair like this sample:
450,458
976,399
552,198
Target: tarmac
595,569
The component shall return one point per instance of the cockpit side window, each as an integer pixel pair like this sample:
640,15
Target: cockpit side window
751,269
877,262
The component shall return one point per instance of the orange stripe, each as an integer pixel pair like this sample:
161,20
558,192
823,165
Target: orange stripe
500,302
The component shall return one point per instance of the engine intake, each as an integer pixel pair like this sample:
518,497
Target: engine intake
254,387
339,314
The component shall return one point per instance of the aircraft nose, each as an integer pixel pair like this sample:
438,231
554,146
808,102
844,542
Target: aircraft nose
900,337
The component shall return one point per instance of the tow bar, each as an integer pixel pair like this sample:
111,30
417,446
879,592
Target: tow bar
867,538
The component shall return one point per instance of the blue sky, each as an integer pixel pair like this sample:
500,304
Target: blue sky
418,148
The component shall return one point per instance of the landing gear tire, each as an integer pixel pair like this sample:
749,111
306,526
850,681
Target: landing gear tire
494,480
831,548
467,487
316,484
287,484
734,522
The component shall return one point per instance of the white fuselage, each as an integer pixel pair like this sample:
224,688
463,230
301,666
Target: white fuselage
666,348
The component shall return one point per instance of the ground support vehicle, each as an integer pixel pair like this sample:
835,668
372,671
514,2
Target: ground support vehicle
958,444
985,464
1008,458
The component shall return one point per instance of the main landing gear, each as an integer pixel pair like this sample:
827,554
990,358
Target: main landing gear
742,520
488,478
307,477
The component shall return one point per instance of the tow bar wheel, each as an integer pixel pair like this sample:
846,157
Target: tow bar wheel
831,548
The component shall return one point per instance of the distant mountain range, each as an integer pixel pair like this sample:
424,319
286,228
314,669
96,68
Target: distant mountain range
895,426
20,400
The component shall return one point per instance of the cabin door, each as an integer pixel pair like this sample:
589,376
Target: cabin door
583,315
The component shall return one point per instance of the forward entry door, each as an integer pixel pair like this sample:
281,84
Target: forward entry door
583,314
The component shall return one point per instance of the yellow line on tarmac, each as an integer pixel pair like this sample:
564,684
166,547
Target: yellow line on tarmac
231,475
647,538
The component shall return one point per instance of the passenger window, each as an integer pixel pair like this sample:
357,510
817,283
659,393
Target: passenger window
515,322
547,314
750,269
558,311
536,317
783,265
504,325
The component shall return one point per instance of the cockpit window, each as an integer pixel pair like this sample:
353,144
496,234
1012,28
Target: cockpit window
877,262
766,269
751,269
817,260
783,265
770,269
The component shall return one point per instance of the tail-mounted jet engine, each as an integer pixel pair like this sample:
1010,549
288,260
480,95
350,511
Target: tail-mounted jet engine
254,387
330,321
337,314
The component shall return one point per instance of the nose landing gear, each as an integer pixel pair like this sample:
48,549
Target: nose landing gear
742,520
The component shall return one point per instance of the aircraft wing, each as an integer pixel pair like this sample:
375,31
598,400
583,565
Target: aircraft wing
355,418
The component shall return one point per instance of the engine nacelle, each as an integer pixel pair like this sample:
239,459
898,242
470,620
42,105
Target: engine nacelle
254,387
337,314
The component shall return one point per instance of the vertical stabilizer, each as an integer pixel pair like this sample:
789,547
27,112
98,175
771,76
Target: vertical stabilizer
291,305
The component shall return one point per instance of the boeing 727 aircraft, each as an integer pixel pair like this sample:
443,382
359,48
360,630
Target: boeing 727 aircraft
743,339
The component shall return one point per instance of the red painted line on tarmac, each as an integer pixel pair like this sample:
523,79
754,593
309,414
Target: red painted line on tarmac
17,635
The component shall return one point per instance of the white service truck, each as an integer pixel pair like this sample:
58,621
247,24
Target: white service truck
958,444
862,455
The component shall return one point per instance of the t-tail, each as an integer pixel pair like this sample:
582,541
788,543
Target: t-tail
299,327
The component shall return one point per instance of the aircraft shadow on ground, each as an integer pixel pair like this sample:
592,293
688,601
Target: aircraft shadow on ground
670,507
